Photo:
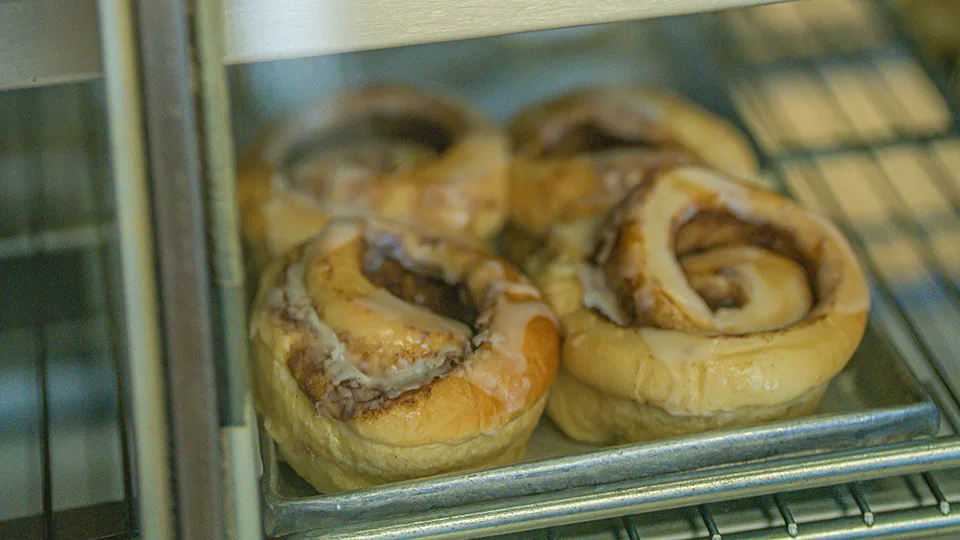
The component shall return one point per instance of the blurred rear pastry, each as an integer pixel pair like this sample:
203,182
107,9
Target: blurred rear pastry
594,145
383,150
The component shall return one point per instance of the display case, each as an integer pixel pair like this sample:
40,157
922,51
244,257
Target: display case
128,406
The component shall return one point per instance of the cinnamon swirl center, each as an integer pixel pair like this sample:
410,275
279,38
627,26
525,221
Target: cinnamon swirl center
419,285
596,138
711,228
341,161
694,253
381,311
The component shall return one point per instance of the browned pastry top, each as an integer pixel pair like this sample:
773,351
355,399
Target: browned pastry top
704,294
382,325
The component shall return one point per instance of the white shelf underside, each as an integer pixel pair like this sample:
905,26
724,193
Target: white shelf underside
259,30
44,42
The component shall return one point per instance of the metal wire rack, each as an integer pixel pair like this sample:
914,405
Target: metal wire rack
63,439
850,123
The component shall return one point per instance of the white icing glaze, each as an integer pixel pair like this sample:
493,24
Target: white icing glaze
773,302
598,295
498,366
657,221
336,360
672,199
626,106
403,244
290,219
504,377
335,235
390,307
511,321
452,198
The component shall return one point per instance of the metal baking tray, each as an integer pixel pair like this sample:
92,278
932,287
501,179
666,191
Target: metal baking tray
876,400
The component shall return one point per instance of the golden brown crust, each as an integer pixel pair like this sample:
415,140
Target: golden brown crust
586,414
596,144
413,150
799,314
405,379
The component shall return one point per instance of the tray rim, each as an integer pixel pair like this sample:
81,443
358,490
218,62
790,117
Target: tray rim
653,494
919,419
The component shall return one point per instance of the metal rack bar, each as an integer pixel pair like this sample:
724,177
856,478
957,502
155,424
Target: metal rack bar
909,523
940,80
666,492
238,425
47,241
824,195
630,527
782,507
912,226
865,511
709,522
181,236
942,503
938,172
37,224
818,184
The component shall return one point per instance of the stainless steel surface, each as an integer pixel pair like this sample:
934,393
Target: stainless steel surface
899,507
225,249
177,180
654,494
874,401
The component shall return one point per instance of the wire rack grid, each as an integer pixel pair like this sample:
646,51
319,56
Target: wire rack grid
850,122
63,432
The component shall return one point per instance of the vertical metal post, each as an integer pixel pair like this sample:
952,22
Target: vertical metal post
238,425
179,205
146,384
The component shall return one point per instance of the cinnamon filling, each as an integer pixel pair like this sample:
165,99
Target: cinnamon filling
410,129
419,285
712,228
593,138
707,229
718,290
376,144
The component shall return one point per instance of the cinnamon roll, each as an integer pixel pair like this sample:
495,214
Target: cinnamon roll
698,302
384,150
596,144
384,353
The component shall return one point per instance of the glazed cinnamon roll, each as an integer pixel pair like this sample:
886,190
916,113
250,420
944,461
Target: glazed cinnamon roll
383,353
596,144
384,150
699,302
